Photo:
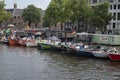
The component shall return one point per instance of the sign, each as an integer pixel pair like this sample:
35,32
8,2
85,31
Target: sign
103,38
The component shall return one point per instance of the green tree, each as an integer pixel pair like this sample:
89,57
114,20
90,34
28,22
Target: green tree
4,15
46,22
52,12
31,14
81,13
101,17
59,11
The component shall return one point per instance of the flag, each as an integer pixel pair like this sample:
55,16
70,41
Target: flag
27,27
73,32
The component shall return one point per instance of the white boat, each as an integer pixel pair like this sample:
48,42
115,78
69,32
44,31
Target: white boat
100,53
31,43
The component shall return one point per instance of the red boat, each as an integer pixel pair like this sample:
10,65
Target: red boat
13,41
114,57
114,54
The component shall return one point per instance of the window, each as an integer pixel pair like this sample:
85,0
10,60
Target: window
14,17
18,17
118,16
118,6
118,25
114,6
14,23
114,25
114,16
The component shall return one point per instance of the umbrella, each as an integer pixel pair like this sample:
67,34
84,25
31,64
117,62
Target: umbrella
83,33
54,38
10,25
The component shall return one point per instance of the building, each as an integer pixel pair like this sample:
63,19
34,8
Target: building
17,19
114,9
114,25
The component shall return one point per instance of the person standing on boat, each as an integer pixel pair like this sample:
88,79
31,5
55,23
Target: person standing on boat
98,46
81,46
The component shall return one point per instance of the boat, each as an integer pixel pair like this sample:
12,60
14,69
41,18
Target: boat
31,43
71,50
84,50
50,43
13,41
45,46
114,55
84,53
100,53
106,39
56,47
22,42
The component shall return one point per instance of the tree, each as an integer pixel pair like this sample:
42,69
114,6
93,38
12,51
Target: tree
52,12
31,14
101,17
46,22
4,15
81,13
59,11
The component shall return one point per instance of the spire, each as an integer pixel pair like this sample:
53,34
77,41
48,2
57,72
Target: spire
15,6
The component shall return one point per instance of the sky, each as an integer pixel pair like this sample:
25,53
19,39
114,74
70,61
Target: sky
21,4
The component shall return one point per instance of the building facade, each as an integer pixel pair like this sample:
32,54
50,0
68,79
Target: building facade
114,25
17,19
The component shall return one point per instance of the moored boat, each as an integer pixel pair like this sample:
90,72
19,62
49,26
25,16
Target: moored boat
100,53
31,43
84,53
13,41
45,46
114,55
84,50
55,48
22,42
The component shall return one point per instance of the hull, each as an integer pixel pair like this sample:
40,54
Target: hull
84,53
71,51
114,57
22,42
45,46
31,43
6,42
55,48
100,54
13,42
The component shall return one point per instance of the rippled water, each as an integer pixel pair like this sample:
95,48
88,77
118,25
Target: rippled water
21,63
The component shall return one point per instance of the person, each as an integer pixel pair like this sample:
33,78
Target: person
98,46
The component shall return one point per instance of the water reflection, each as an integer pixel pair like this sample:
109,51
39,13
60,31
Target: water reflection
22,63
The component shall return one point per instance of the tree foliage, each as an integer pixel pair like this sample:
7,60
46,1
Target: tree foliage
78,11
31,14
4,15
101,17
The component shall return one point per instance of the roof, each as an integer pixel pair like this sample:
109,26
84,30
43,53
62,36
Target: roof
18,12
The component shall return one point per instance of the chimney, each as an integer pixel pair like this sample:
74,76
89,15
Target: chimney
15,6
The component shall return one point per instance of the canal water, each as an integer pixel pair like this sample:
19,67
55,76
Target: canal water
22,63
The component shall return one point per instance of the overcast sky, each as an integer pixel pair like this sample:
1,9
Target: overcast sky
21,4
